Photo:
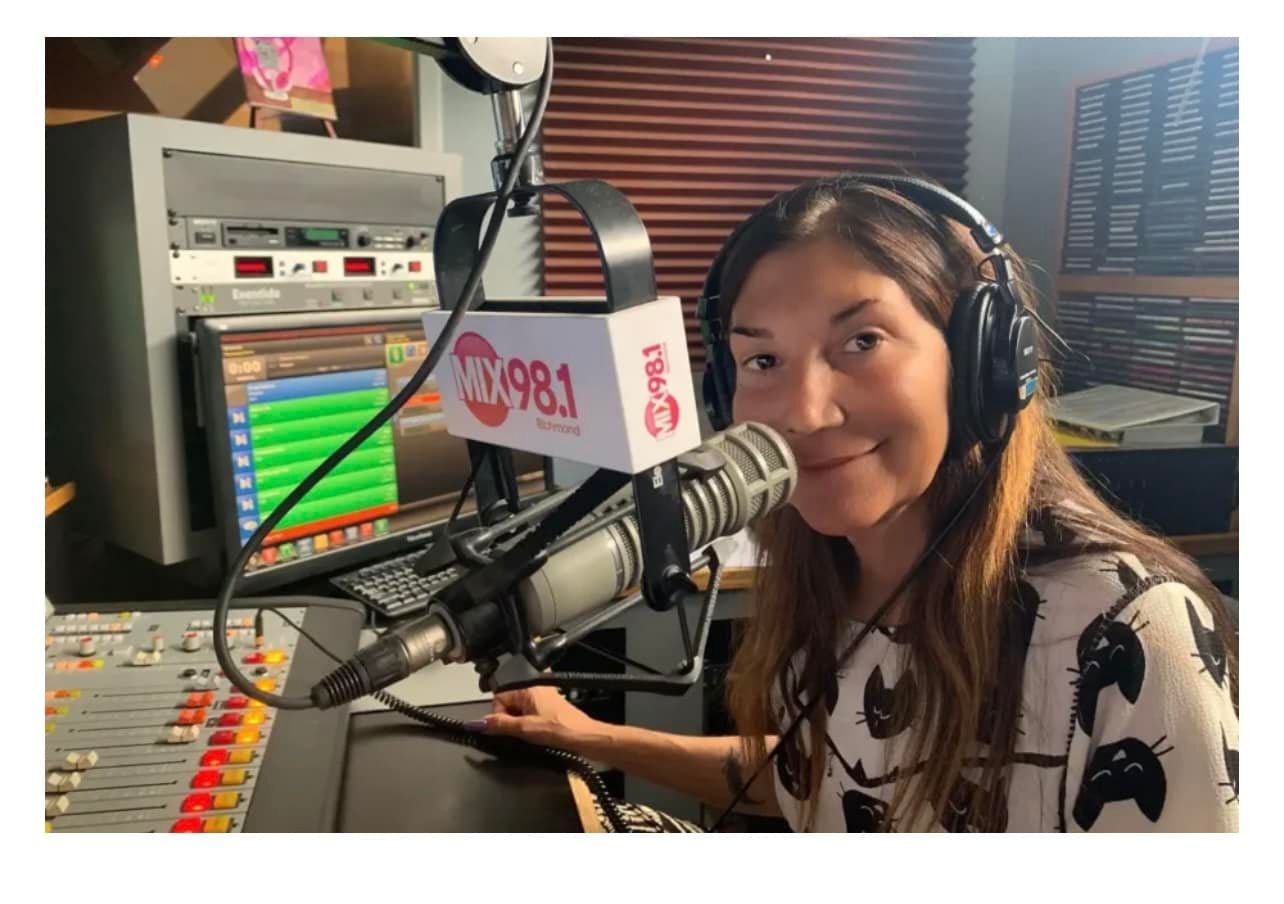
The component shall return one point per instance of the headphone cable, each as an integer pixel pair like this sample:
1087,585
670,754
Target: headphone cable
869,626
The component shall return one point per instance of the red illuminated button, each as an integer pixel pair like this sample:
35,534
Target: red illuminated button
319,266
269,555
206,778
220,738
214,758
193,701
229,719
253,658
236,702
187,824
197,803
416,266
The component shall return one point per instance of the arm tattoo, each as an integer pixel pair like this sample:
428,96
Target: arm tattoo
735,779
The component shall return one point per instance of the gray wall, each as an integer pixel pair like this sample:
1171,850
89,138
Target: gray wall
987,147
458,121
1033,80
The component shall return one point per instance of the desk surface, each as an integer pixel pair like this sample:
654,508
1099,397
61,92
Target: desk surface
401,778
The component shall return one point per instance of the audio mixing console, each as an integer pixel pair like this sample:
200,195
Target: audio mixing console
143,732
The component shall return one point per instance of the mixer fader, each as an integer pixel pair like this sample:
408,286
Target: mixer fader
143,732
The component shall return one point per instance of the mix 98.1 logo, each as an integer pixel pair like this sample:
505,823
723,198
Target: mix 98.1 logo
491,386
661,407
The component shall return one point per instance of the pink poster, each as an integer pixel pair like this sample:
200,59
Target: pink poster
287,74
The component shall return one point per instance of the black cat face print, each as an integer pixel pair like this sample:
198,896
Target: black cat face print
1128,770
863,813
968,808
1110,654
1208,645
888,711
1231,758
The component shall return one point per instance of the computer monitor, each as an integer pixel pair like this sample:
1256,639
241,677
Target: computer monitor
283,391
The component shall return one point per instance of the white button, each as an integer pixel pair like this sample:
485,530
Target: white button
158,642
69,781
88,760
72,760
87,646
191,642
54,781
56,806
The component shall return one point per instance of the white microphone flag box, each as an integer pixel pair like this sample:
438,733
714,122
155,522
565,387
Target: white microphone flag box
611,390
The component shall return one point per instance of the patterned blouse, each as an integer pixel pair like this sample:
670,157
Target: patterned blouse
1127,721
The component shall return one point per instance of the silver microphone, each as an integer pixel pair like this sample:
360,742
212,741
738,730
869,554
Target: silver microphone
758,476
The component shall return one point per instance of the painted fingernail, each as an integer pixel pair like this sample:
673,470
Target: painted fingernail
475,725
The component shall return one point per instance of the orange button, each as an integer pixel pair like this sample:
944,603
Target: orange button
254,718
217,824
234,777
266,684
242,756
190,717
227,800
247,736
274,657
257,704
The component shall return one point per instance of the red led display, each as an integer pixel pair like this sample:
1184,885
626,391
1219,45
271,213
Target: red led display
250,267
358,266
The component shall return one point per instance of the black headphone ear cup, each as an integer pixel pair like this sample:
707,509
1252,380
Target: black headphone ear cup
717,393
969,340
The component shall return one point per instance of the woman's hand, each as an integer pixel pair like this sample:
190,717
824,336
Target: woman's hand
540,715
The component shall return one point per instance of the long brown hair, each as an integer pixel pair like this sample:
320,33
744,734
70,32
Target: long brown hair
961,615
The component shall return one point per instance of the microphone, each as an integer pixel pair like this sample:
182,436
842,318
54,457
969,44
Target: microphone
757,476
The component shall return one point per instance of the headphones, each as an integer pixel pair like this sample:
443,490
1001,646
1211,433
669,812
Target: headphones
991,334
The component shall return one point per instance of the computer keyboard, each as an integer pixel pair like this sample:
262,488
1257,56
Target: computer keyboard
392,588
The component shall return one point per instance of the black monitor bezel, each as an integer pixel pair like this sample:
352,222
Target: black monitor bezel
209,333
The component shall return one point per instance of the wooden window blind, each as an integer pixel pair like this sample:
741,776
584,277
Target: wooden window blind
697,132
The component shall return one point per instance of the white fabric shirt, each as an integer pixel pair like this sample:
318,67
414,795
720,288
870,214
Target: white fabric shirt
1127,722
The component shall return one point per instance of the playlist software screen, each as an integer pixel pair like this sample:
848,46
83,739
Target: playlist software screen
294,396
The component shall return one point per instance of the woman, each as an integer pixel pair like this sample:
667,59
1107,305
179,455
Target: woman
1051,667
